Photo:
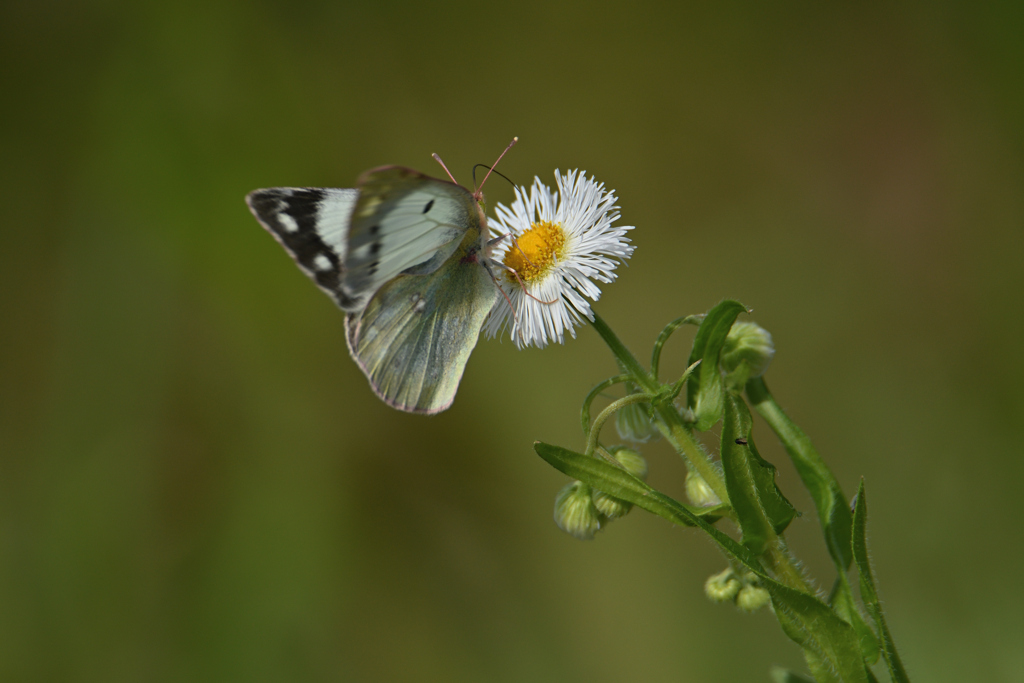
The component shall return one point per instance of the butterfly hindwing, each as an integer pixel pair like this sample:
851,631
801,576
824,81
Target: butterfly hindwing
415,335
312,224
404,221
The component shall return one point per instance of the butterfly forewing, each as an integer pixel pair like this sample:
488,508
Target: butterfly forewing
312,224
415,335
404,220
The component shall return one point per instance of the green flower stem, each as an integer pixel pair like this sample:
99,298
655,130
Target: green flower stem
628,361
585,411
777,558
602,417
671,424
674,430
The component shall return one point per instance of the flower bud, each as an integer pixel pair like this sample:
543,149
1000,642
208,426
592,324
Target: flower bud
752,598
609,507
747,353
575,512
633,423
630,460
699,492
722,587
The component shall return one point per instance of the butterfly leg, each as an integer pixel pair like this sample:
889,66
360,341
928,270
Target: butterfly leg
523,285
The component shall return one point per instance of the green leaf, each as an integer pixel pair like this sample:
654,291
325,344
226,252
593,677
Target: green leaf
819,669
806,619
817,477
620,484
761,509
665,334
830,644
707,388
843,603
867,588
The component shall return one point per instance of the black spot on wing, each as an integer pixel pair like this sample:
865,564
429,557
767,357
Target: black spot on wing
374,265
290,214
429,205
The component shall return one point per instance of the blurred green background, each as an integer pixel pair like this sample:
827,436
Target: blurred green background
196,482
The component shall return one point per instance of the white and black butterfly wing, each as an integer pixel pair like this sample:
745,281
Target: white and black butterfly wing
402,255
350,242
415,335
312,224
404,222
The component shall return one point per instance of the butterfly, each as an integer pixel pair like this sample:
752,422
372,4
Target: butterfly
407,257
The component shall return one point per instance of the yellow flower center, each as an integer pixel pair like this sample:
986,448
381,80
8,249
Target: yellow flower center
539,249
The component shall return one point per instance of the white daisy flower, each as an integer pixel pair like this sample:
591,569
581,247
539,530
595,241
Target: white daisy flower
564,241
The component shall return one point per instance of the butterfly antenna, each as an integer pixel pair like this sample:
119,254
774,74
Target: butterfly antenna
491,169
437,158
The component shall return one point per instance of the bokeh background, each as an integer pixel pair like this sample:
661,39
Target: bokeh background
197,484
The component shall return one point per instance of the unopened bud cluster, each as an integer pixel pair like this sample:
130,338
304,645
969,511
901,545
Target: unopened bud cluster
747,353
742,589
581,511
